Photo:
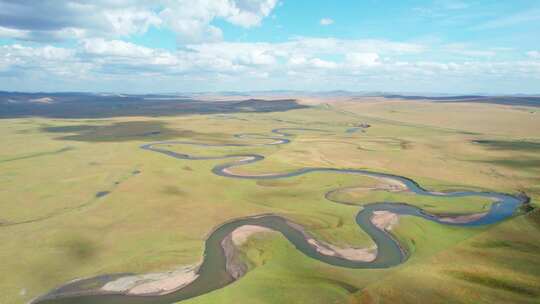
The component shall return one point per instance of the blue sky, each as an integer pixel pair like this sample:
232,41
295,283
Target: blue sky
134,46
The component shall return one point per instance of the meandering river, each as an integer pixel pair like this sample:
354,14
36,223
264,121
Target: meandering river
213,274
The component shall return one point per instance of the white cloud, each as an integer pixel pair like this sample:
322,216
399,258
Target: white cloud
129,21
238,65
99,46
248,13
50,20
13,33
534,54
310,45
362,59
117,57
467,50
237,53
191,19
323,64
326,21
45,61
191,25
297,60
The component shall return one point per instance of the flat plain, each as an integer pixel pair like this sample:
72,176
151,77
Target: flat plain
81,199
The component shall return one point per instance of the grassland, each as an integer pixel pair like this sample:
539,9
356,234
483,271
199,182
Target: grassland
157,210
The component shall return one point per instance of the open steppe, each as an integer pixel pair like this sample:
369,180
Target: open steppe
79,198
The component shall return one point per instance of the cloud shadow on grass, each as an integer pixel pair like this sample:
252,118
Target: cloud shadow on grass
127,131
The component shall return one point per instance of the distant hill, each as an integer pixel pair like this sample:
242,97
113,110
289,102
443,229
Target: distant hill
531,101
88,105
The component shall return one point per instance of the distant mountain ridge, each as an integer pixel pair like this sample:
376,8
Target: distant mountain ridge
90,105
96,105
531,101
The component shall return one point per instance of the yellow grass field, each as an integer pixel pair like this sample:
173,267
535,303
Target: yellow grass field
79,198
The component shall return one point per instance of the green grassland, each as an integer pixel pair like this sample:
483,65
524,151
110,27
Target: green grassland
159,210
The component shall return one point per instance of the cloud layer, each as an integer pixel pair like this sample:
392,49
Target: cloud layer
75,19
82,45
319,63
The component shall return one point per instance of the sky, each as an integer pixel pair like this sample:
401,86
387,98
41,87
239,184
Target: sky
135,46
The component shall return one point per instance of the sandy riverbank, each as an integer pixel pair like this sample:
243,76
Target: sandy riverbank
234,265
153,283
384,220
349,253
462,219
391,185
241,234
